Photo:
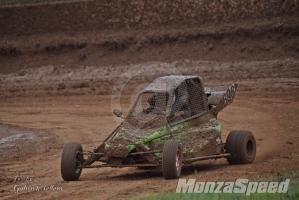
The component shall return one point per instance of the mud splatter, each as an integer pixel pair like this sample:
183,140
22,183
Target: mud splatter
133,130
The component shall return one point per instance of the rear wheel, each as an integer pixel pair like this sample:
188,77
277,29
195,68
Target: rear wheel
172,159
242,147
71,160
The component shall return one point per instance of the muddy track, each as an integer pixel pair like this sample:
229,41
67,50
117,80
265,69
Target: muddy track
266,103
85,120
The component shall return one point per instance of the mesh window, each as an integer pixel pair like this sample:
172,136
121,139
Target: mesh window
180,101
198,99
189,100
151,103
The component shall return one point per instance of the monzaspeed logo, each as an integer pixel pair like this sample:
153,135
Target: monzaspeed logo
239,186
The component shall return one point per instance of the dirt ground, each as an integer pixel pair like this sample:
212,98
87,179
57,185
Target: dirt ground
61,87
51,120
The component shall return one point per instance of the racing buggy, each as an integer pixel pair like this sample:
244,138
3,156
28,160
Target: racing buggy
172,123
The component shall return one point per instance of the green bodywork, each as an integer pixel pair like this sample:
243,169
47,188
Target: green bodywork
195,135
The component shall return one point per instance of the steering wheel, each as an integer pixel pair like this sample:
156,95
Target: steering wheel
162,111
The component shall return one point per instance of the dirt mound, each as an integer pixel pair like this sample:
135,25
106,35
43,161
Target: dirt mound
99,15
227,42
93,33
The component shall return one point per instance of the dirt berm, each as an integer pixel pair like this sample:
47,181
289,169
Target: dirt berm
107,14
102,33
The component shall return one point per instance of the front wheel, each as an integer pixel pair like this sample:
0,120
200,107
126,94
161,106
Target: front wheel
172,160
242,147
71,159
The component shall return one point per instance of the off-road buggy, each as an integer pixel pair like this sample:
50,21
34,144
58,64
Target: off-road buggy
172,123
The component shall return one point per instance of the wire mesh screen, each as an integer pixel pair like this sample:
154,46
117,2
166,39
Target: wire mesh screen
198,99
189,99
151,103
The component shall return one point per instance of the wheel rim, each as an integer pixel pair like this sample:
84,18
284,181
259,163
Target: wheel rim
178,160
249,148
78,159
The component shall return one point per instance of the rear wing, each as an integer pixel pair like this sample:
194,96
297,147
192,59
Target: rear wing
220,98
